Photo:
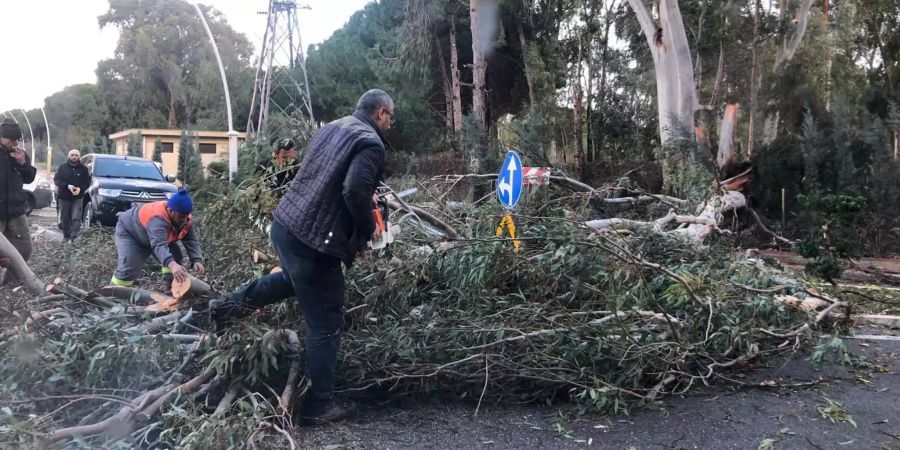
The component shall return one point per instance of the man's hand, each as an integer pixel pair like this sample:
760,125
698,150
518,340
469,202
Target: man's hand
19,155
198,267
374,200
4,261
178,272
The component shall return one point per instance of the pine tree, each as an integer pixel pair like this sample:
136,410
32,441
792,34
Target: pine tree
134,145
190,168
157,150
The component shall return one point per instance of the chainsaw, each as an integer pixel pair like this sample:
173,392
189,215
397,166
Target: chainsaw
381,212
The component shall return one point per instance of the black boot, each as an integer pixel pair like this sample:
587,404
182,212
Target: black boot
224,311
324,412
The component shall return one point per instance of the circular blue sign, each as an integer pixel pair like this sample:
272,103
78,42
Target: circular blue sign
509,180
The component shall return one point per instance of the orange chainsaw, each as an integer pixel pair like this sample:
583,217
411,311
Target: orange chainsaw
388,231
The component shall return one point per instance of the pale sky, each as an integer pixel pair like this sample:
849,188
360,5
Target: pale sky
59,41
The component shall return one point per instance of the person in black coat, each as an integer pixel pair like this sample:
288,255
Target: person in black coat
72,181
15,170
323,222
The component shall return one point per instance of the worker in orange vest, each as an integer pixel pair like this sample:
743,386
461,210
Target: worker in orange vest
156,228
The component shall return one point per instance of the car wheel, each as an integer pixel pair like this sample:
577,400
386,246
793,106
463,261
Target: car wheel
88,216
29,206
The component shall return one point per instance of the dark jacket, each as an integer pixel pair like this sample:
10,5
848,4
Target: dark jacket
276,177
76,175
329,206
12,177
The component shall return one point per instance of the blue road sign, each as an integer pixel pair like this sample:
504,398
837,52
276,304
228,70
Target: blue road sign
509,180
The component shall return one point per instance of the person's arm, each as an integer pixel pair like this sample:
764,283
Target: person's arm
359,185
158,231
59,181
86,180
27,171
192,244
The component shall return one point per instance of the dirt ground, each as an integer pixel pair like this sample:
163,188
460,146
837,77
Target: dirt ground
724,416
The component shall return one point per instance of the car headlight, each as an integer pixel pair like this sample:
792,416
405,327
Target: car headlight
109,192
169,194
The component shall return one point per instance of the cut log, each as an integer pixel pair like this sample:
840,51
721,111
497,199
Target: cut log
19,267
190,287
138,295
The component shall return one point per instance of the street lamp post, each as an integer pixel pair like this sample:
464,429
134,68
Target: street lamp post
49,148
232,135
30,132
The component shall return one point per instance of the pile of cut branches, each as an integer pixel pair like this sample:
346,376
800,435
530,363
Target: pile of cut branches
600,319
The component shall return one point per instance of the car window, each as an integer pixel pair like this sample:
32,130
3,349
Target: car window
127,168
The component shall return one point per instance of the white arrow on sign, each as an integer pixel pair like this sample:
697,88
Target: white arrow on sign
505,186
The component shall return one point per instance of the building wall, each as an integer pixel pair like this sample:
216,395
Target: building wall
170,160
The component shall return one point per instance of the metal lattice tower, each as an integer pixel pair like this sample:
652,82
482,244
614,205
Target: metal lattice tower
281,105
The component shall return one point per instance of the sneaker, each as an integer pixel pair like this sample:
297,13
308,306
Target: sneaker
332,412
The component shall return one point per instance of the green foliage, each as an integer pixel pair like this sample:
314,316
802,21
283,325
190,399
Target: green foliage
834,237
190,167
157,150
835,412
134,145
164,73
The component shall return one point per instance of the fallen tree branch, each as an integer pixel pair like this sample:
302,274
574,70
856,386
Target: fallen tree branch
284,400
121,424
19,267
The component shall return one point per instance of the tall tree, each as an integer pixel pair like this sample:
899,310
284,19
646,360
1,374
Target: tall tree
164,72
134,146
190,168
157,150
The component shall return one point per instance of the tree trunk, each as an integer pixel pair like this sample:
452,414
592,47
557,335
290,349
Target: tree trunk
478,63
454,77
172,121
19,267
604,62
577,111
754,82
477,146
785,54
529,77
829,54
725,156
676,95
448,90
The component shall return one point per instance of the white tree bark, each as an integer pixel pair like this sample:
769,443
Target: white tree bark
675,89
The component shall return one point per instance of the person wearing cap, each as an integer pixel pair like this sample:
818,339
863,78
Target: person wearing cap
15,171
281,169
72,180
155,229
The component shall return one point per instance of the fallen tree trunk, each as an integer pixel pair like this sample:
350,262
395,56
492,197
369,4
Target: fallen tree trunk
191,287
19,267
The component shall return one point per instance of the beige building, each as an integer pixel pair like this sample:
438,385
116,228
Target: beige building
212,145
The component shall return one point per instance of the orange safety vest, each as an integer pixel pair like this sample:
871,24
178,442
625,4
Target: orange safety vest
148,211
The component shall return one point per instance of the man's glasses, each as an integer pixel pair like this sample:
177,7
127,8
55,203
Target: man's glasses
390,114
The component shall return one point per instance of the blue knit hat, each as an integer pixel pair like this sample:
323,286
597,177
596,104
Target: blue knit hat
181,202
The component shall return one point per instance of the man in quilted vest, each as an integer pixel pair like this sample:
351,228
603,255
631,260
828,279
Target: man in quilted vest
155,229
325,219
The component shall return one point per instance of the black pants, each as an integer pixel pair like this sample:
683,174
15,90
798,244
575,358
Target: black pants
317,281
